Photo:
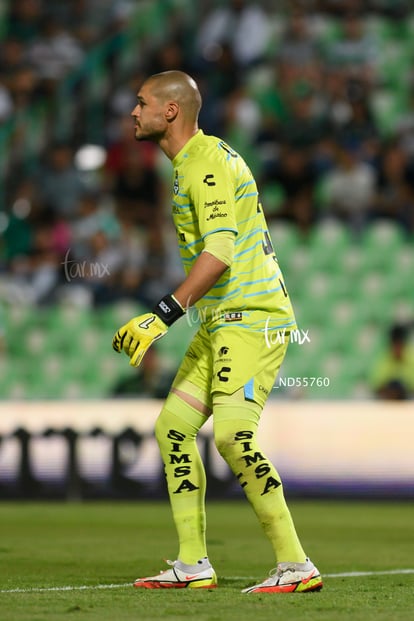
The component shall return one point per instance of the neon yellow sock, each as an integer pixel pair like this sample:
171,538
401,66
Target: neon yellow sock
176,431
235,427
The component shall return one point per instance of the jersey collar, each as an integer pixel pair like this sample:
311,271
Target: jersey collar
177,159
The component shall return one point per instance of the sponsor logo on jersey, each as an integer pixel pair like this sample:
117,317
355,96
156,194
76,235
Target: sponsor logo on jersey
208,180
176,186
213,203
222,374
216,214
222,353
233,316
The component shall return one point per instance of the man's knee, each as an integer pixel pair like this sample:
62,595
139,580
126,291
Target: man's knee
224,439
178,419
234,439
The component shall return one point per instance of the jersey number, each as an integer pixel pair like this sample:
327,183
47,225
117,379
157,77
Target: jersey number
226,147
267,244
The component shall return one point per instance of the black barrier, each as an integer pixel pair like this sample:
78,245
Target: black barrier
70,464
122,472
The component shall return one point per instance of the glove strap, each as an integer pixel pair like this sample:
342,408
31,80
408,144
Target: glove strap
168,309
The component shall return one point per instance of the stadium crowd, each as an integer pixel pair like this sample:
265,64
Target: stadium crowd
300,89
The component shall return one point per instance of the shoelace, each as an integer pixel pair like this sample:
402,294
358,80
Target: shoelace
277,572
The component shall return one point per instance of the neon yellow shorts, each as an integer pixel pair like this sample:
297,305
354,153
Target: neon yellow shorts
227,357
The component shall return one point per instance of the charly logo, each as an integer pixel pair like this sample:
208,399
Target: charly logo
208,180
222,374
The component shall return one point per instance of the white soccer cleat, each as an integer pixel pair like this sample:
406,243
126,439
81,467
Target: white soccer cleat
290,578
181,576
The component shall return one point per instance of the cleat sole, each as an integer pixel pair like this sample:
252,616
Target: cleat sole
201,584
311,586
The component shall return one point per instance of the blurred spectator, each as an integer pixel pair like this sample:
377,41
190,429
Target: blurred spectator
167,58
136,185
219,80
240,24
84,19
335,96
92,215
108,255
358,129
16,240
298,46
393,375
294,174
53,53
355,52
36,269
393,198
241,111
23,88
298,53
60,184
122,142
274,111
349,188
155,273
306,124
17,235
223,74
119,133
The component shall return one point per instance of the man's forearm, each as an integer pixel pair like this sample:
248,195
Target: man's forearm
203,275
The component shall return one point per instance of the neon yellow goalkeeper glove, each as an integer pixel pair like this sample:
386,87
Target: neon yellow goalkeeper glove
136,336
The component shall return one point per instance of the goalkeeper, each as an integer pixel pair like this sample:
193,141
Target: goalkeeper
229,369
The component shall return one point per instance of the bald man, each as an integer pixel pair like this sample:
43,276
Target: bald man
233,279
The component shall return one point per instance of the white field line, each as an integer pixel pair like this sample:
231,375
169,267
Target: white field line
94,587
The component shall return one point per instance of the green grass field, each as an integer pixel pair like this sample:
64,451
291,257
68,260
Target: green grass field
77,561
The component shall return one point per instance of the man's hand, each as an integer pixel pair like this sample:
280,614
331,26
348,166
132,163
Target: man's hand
136,336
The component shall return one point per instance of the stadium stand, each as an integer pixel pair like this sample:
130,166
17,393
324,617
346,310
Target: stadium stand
345,116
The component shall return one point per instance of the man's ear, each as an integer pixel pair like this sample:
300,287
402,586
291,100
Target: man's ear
171,111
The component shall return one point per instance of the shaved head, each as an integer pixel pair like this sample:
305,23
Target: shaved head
167,110
179,87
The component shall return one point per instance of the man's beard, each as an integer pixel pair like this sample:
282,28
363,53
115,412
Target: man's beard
152,136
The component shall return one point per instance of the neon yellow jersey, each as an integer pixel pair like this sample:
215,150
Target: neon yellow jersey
214,190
